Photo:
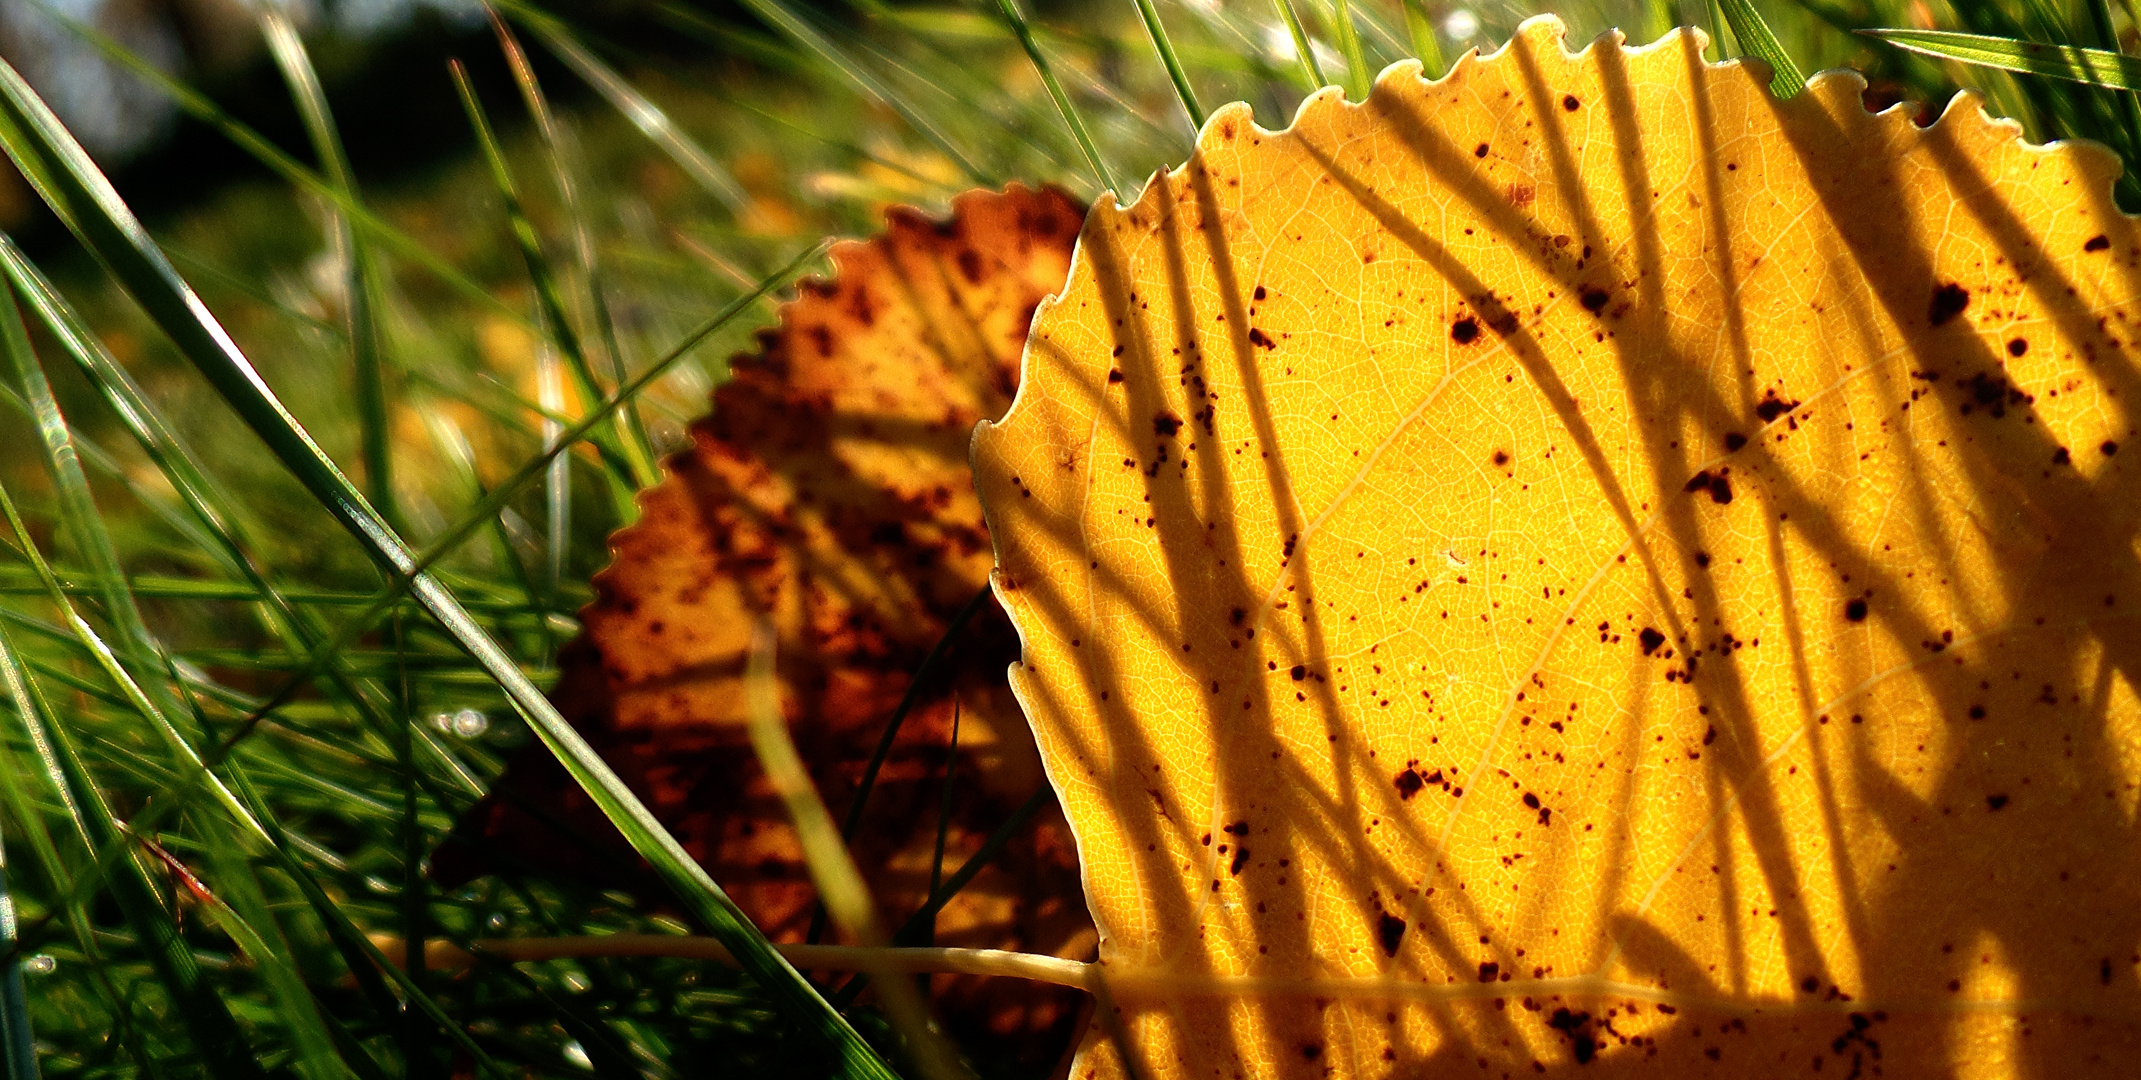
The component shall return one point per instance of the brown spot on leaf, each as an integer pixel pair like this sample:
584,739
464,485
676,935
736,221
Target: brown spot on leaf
1949,300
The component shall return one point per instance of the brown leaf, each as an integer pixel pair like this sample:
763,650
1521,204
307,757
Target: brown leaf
830,490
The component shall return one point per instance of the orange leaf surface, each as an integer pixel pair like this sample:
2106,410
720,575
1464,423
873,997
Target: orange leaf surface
1583,566
830,490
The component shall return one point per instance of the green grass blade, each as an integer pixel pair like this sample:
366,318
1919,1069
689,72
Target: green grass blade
78,192
1754,35
638,457
16,1051
198,106
241,910
1304,49
480,514
184,757
634,106
2073,63
365,290
370,967
415,891
209,504
200,1005
1357,73
1017,21
1165,46
565,167
780,17
1426,43
78,507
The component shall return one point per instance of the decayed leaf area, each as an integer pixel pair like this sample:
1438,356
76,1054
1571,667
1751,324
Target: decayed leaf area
829,489
1584,567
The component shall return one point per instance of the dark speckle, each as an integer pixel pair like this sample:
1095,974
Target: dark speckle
1720,489
1948,301
1166,424
1390,930
1260,339
2061,457
1809,984
1855,610
1260,292
1734,440
1300,672
1773,407
1650,639
2109,448
1594,300
1577,1026
1409,783
2018,347
2099,242
1465,331
1501,457
1489,971
1480,151
1241,859
1531,800
1996,802
1699,482
1569,102
1115,375
1311,1051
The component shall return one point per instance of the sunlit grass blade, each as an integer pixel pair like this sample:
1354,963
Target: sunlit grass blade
638,457
1753,34
634,106
2073,63
93,541
200,1004
789,22
364,301
1304,49
1165,47
1426,43
565,168
926,915
185,758
1017,21
78,509
2129,105
1357,73
78,192
825,854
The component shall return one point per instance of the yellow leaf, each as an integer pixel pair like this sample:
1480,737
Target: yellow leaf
1582,566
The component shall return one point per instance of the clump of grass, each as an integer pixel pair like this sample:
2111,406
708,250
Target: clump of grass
300,488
